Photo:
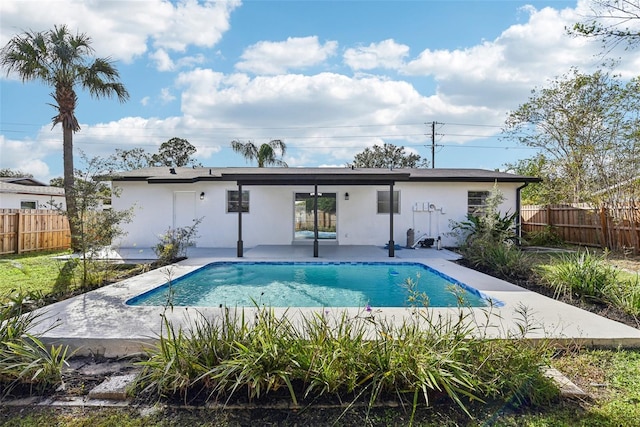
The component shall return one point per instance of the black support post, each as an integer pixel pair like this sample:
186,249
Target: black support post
392,248
315,221
240,249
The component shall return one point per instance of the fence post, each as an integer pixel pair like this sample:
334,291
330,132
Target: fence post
634,219
605,227
18,232
549,221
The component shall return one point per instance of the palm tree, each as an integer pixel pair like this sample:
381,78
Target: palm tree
265,155
61,60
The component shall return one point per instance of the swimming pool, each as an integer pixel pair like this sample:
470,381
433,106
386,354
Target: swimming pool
309,284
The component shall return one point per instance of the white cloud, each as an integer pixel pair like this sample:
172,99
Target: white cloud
29,155
386,54
123,33
296,53
190,61
312,114
162,60
194,23
166,96
496,73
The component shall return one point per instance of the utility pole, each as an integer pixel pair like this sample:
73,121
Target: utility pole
433,145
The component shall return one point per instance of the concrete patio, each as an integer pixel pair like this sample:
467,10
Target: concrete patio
100,323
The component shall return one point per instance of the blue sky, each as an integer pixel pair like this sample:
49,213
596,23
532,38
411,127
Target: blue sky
328,77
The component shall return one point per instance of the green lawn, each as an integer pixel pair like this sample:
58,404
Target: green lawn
51,275
39,272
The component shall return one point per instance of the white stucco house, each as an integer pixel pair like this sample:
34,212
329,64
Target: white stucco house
28,193
278,204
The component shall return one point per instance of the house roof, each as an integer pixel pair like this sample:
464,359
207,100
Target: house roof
311,176
32,189
22,181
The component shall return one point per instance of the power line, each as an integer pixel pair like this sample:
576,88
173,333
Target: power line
240,129
473,125
322,147
95,139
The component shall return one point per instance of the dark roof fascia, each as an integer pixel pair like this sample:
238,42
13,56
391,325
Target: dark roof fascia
313,179
318,182
164,180
153,180
527,179
123,178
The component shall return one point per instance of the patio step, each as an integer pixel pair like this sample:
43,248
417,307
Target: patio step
113,388
567,388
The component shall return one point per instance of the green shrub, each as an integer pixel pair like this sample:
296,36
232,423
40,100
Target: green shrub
513,370
625,294
488,241
348,359
488,224
499,259
544,237
581,274
25,362
174,242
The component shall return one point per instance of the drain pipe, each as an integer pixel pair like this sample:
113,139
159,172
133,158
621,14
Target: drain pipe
519,216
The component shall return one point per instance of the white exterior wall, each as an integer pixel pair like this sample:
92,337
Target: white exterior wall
13,200
363,226
270,219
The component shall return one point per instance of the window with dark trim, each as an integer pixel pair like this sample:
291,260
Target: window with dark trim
384,202
28,204
233,201
477,202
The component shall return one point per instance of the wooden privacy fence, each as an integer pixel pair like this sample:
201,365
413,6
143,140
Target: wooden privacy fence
29,230
616,227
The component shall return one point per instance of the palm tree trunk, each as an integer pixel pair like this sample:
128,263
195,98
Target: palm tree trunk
69,187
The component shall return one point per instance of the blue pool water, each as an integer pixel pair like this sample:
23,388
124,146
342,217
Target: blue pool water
309,284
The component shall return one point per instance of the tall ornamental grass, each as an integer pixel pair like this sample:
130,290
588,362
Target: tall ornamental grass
626,295
343,359
26,364
588,276
582,275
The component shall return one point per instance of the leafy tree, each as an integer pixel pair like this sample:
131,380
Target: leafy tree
387,156
174,152
537,193
126,160
57,182
98,227
264,155
102,190
61,60
11,173
586,127
611,22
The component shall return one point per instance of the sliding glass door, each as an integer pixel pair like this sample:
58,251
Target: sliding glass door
304,216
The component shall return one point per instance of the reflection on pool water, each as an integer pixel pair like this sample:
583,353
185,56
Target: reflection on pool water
310,284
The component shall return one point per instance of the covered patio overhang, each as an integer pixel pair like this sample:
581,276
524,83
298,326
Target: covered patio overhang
318,178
